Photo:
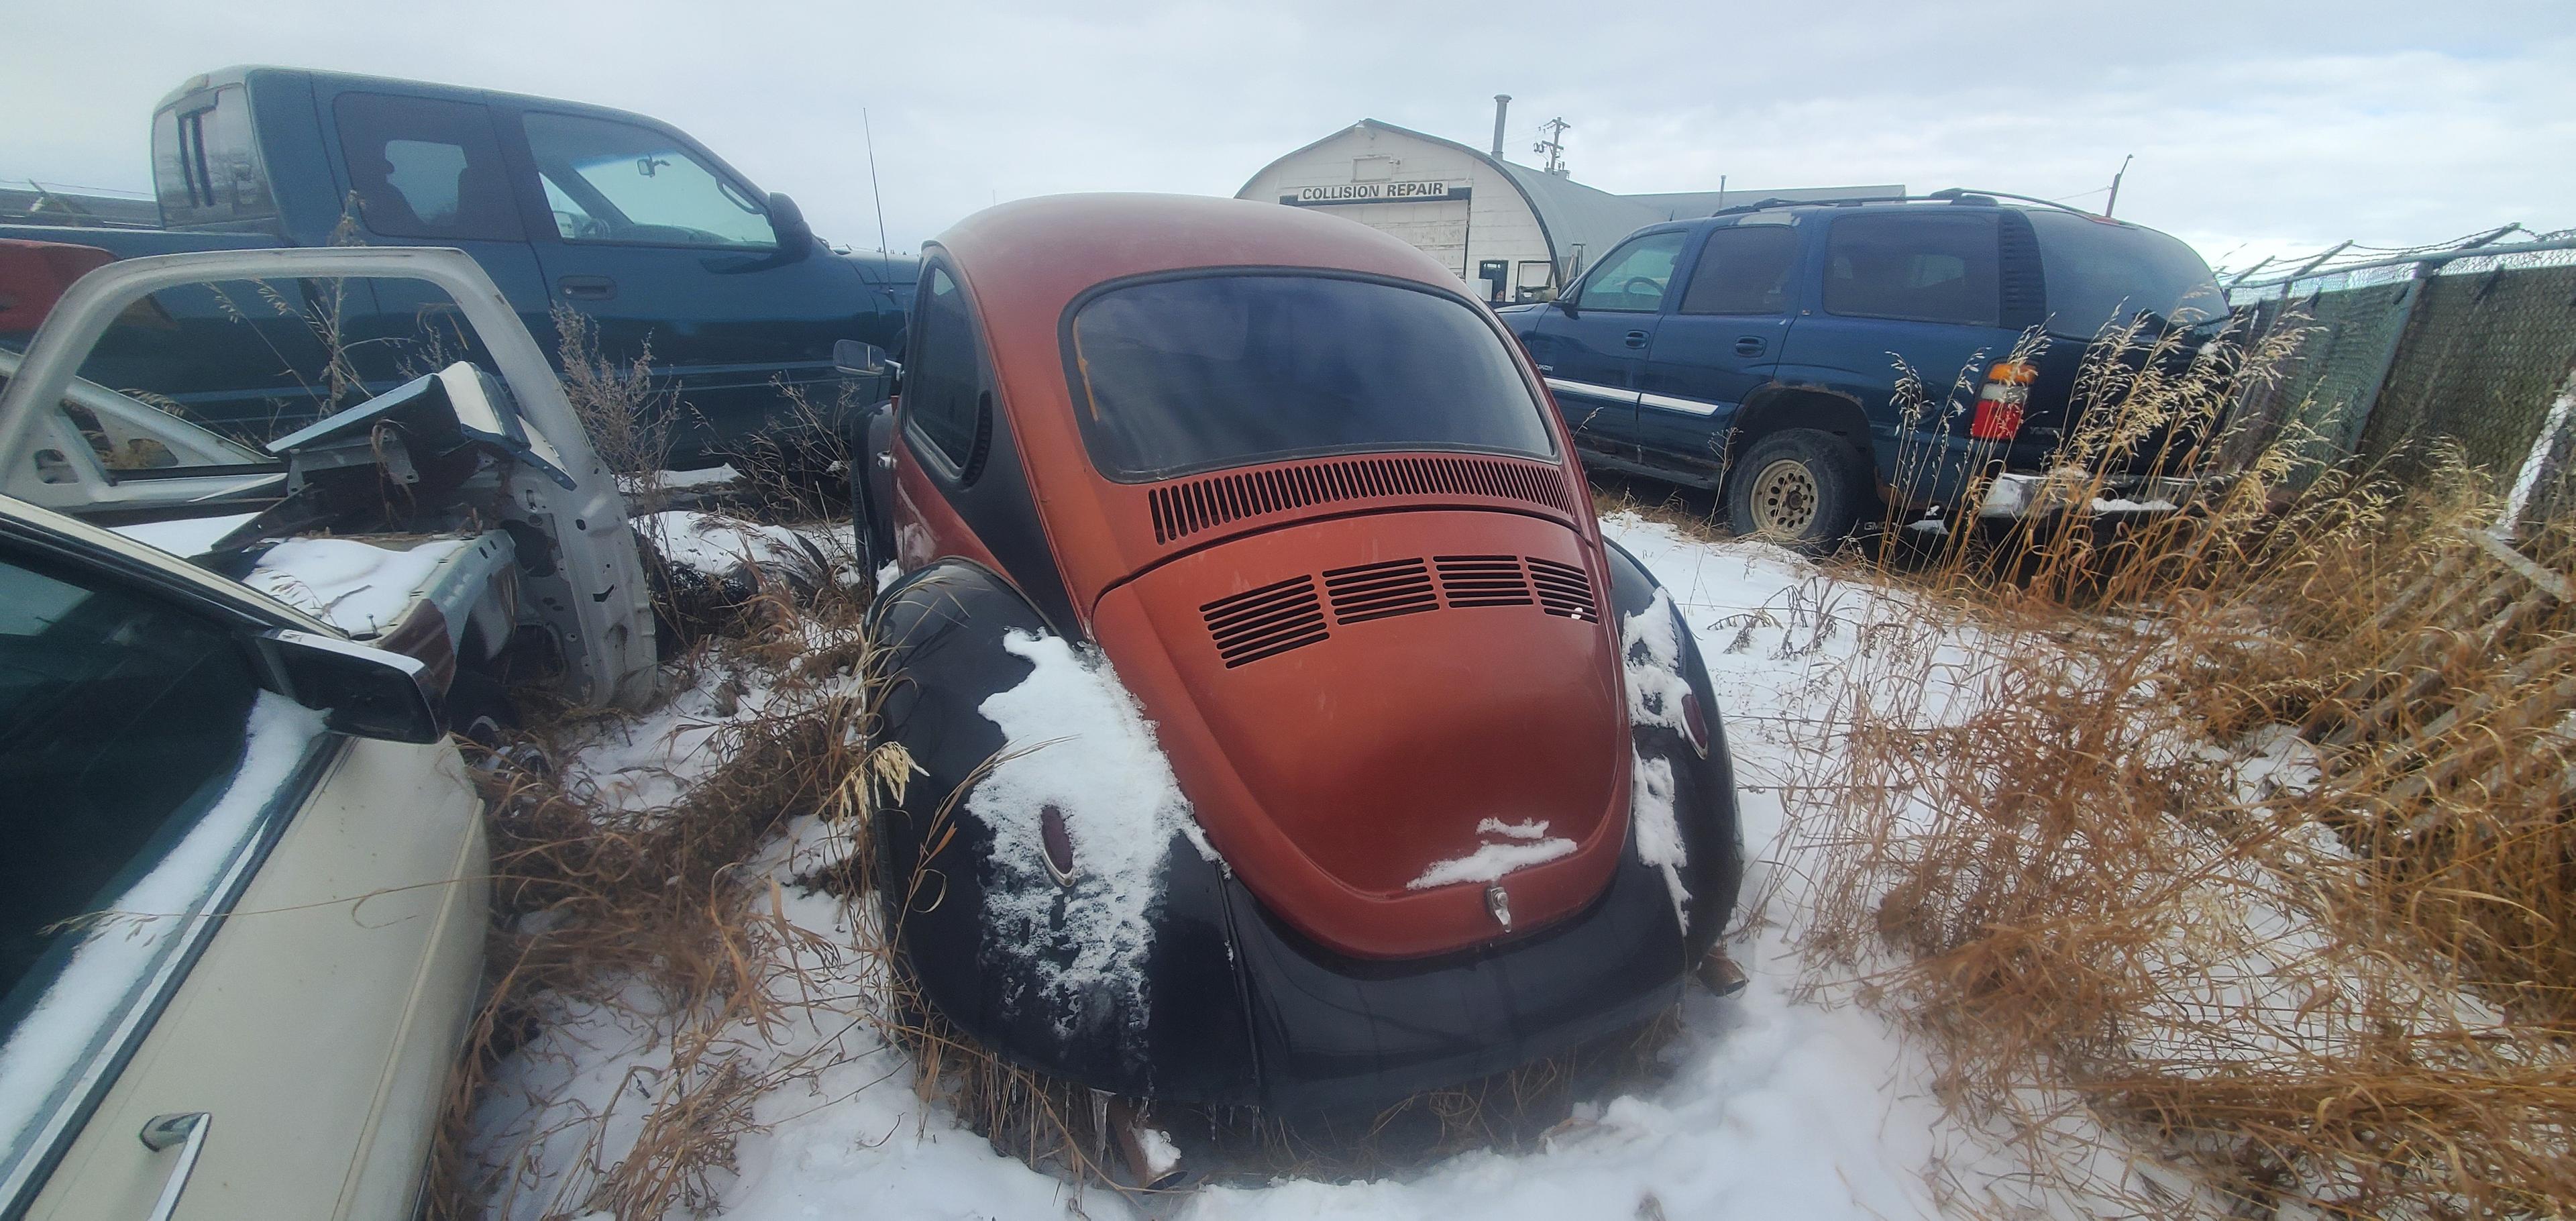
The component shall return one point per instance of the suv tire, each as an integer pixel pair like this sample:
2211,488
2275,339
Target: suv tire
1803,488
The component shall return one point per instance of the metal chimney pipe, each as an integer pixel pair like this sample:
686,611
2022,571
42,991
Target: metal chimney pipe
1502,103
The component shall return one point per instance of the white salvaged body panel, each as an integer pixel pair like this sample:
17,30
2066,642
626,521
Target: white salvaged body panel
1410,188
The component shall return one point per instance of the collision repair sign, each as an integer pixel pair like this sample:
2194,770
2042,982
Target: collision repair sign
1376,192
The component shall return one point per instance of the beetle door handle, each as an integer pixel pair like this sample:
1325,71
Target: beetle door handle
1749,345
188,1131
1636,339
588,288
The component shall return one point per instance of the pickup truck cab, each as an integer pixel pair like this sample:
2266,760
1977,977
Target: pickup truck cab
1757,351
620,216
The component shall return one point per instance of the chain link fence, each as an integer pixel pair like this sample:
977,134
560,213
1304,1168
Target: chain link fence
2465,344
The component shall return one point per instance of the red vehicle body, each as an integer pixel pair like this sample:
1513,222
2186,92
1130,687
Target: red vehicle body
1312,505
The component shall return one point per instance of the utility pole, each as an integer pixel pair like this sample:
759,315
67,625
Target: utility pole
1553,147
2114,200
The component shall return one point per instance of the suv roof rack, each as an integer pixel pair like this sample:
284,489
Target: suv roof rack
1950,195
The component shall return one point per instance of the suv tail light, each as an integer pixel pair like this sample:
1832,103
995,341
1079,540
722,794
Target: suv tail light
1999,405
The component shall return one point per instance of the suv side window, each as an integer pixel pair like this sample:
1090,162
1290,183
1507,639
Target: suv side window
943,394
1914,266
142,761
1743,270
1634,276
426,168
618,182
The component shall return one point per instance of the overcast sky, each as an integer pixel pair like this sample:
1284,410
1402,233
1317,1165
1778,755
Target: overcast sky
2256,126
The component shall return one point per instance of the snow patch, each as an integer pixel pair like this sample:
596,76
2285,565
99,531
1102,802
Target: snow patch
186,537
359,588
1532,829
1650,650
1077,741
713,545
1490,862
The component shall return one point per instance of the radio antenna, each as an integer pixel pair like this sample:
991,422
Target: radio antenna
883,258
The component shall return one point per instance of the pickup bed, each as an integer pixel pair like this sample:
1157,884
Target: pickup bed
661,244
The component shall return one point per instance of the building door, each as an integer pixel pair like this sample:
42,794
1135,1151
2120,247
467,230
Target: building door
1494,280
1437,227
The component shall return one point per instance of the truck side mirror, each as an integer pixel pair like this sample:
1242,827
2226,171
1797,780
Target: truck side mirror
795,237
857,359
365,692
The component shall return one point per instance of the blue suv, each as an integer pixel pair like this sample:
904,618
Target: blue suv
1756,351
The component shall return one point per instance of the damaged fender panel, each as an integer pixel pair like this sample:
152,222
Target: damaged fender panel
997,945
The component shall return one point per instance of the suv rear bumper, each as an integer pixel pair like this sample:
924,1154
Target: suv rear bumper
2019,495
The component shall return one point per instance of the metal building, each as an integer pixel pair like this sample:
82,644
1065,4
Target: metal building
1524,232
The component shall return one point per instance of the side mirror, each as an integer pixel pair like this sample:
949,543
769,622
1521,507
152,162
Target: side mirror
857,359
1564,301
365,692
795,237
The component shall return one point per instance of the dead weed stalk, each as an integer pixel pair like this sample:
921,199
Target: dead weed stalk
2224,861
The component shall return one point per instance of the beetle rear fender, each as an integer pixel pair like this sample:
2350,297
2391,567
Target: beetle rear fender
1702,784
992,939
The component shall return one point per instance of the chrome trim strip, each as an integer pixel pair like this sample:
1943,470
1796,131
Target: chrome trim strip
1670,403
1589,390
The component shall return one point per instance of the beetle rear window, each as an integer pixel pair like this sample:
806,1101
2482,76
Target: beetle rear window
1181,375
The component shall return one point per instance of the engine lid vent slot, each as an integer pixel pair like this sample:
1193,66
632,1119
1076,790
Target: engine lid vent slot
1563,589
1380,591
1483,580
1188,506
1265,622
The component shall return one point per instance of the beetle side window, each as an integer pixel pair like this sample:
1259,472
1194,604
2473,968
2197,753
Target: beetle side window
426,168
141,759
943,387
617,182
1915,266
1743,270
1635,275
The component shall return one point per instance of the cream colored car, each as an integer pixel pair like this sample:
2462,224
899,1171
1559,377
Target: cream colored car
277,870
244,886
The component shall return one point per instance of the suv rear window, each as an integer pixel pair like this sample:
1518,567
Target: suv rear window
2099,273
1914,265
1179,375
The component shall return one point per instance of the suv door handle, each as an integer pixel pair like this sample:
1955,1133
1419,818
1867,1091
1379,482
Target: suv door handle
164,1131
1749,345
588,288
1636,339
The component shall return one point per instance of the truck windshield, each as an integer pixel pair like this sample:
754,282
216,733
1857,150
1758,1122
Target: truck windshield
1180,375
2099,273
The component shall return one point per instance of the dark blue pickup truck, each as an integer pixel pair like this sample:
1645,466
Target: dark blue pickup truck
619,216
1755,351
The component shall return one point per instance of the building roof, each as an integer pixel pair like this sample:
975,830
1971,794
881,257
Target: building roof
1683,205
1569,213
1572,215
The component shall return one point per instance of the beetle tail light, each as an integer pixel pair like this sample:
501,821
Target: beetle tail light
1696,722
1056,843
2000,404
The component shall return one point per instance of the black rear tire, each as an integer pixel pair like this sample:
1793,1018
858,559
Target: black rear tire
1803,488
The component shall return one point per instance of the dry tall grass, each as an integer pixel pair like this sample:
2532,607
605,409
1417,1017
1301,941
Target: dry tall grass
2223,858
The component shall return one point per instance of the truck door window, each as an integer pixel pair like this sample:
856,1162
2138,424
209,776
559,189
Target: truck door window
1743,270
206,166
1635,275
1916,267
143,761
426,168
619,182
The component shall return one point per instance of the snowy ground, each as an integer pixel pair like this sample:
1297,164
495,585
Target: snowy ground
1774,1106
